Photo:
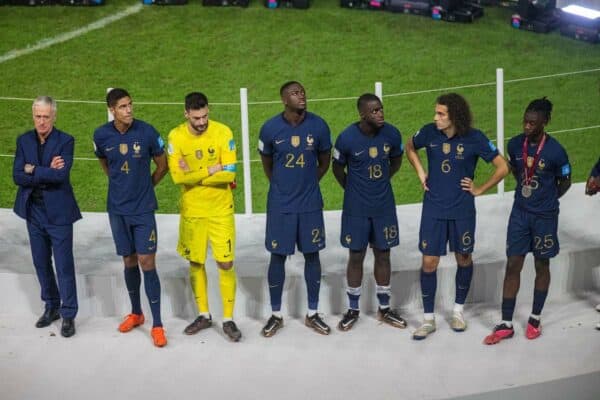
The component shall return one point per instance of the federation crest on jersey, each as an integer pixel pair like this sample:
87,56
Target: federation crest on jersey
136,149
460,149
310,140
199,154
211,153
123,149
295,141
541,164
446,148
373,152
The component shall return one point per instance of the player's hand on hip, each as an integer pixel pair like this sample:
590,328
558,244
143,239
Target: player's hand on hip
183,165
468,185
57,162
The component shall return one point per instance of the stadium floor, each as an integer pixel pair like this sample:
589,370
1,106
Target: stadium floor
372,361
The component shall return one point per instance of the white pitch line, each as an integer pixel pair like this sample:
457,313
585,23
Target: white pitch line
63,37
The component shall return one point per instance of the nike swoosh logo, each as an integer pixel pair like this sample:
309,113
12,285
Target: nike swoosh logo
433,145
518,158
279,141
359,153
109,148
154,301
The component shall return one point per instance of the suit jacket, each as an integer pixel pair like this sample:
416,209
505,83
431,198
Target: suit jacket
61,206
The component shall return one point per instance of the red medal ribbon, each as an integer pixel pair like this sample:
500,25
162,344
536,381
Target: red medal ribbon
527,170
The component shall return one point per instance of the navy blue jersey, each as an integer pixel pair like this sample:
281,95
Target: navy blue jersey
295,150
368,191
553,163
451,160
130,189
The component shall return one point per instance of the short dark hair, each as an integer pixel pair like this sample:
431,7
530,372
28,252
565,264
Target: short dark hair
115,95
459,111
542,106
365,98
195,101
287,85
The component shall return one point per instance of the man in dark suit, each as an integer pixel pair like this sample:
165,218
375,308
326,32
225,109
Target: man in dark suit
45,199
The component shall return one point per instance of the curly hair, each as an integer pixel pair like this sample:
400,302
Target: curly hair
542,106
458,111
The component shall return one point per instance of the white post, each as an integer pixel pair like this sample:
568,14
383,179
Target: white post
246,150
500,118
379,90
110,116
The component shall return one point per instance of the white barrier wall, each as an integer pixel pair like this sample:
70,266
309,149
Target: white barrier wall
102,292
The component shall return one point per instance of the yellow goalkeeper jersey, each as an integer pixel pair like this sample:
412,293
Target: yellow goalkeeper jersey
203,195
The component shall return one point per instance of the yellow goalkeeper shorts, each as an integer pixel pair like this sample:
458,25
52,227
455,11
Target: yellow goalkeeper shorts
196,233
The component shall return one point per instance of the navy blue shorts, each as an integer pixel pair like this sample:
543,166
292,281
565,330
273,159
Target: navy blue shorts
528,232
284,231
134,233
358,232
459,234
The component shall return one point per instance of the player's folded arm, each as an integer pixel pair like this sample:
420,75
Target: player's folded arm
188,178
226,176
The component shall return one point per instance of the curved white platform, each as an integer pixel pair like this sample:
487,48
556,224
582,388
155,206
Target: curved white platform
372,361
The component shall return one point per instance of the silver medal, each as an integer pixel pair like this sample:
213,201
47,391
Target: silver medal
526,191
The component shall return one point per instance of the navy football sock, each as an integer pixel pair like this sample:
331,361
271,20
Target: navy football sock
508,308
152,286
428,289
312,276
276,278
539,298
463,283
353,297
383,295
133,280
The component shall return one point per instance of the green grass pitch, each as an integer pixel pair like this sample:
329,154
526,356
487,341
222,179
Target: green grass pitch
161,53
